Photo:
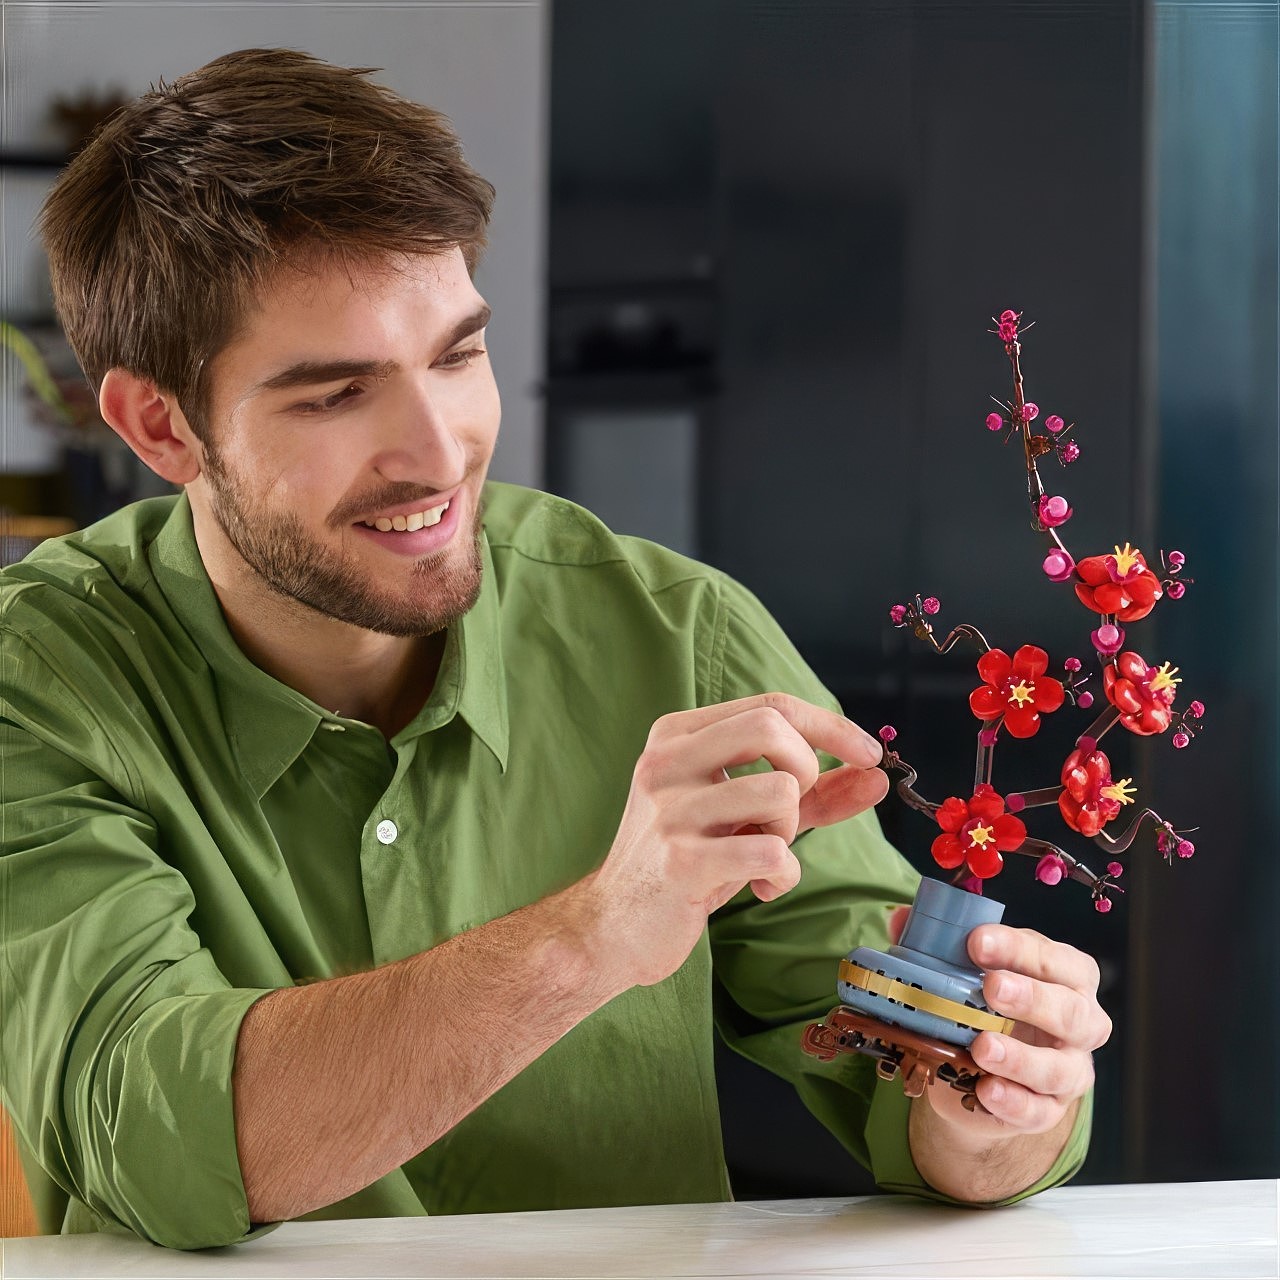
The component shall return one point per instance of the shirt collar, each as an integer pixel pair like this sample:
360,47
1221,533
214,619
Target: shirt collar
472,680
268,722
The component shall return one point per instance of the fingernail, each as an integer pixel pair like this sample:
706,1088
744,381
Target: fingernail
995,1091
994,1050
983,946
873,745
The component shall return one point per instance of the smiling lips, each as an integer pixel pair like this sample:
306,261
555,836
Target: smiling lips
408,523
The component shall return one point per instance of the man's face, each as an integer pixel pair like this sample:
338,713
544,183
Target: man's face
352,397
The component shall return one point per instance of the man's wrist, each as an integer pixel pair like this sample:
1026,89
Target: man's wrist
583,949
973,1157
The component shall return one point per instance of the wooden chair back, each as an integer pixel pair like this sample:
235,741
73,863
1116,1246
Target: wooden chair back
17,1216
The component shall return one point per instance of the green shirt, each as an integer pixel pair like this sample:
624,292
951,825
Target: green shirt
182,834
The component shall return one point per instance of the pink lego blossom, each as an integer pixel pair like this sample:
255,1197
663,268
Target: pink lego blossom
994,422
1180,740
1072,664
1084,700
1053,511
888,733
1176,590
1196,709
1059,565
897,614
1069,452
1050,869
1107,639
1054,424
931,604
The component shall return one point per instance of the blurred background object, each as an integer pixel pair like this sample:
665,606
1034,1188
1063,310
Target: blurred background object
744,259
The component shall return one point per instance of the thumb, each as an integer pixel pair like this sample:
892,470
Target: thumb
840,793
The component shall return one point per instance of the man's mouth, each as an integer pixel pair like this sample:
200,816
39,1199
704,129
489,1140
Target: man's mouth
414,520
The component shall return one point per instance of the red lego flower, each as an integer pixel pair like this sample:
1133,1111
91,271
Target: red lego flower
1143,695
1091,799
1120,584
1016,689
976,831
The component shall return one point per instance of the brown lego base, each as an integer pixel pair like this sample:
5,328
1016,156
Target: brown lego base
921,1059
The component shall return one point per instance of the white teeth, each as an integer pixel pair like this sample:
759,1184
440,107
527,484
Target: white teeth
409,523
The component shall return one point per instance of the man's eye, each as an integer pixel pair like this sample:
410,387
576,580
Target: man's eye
328,402
461,359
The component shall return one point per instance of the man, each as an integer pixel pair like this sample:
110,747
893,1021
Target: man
369,845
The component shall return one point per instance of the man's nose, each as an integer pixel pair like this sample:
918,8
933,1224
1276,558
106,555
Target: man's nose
417,439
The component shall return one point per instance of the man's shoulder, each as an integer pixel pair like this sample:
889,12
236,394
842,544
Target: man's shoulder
100,572
542,529
112,550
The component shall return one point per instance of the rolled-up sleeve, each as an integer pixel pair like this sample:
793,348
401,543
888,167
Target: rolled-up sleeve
118,1029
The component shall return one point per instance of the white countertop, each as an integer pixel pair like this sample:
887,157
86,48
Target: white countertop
1197,1230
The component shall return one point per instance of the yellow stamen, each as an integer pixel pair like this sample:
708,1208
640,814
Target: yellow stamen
1124,791
979,837
1164,678
1021,693
1127,559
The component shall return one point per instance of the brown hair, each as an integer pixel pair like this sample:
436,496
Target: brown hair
187,202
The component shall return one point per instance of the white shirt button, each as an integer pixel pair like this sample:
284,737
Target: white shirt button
387,831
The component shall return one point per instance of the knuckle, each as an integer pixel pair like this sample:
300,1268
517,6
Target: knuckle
775,850
1087,1077
782,703
784,787
650,767
663,727
1105,1028
1077,1020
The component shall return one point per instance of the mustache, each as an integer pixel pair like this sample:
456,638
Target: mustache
393,496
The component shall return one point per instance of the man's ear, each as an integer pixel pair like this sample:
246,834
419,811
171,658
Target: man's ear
151,424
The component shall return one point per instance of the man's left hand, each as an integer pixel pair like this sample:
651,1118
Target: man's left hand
1035,1077
1050,990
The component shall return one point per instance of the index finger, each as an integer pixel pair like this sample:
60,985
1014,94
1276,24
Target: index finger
822,729
999,946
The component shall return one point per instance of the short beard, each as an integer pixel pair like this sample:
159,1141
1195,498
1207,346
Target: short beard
279,550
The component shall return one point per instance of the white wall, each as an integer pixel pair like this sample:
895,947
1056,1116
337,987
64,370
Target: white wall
482,62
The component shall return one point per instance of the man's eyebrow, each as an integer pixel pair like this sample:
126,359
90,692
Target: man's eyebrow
308,373
473,323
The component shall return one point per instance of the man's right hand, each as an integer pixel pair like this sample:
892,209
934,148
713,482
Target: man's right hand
338,1082
691,837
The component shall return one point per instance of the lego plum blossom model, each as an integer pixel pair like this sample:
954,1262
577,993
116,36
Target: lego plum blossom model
918,1006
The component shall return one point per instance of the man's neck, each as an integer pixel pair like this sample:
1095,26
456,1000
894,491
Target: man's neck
382,680
362,675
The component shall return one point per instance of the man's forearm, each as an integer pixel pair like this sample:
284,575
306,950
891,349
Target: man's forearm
339,1082
977,1167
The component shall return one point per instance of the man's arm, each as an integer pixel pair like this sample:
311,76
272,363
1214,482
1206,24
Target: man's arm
338,1082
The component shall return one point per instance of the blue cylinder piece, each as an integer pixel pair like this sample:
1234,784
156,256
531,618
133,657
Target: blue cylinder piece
932,956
